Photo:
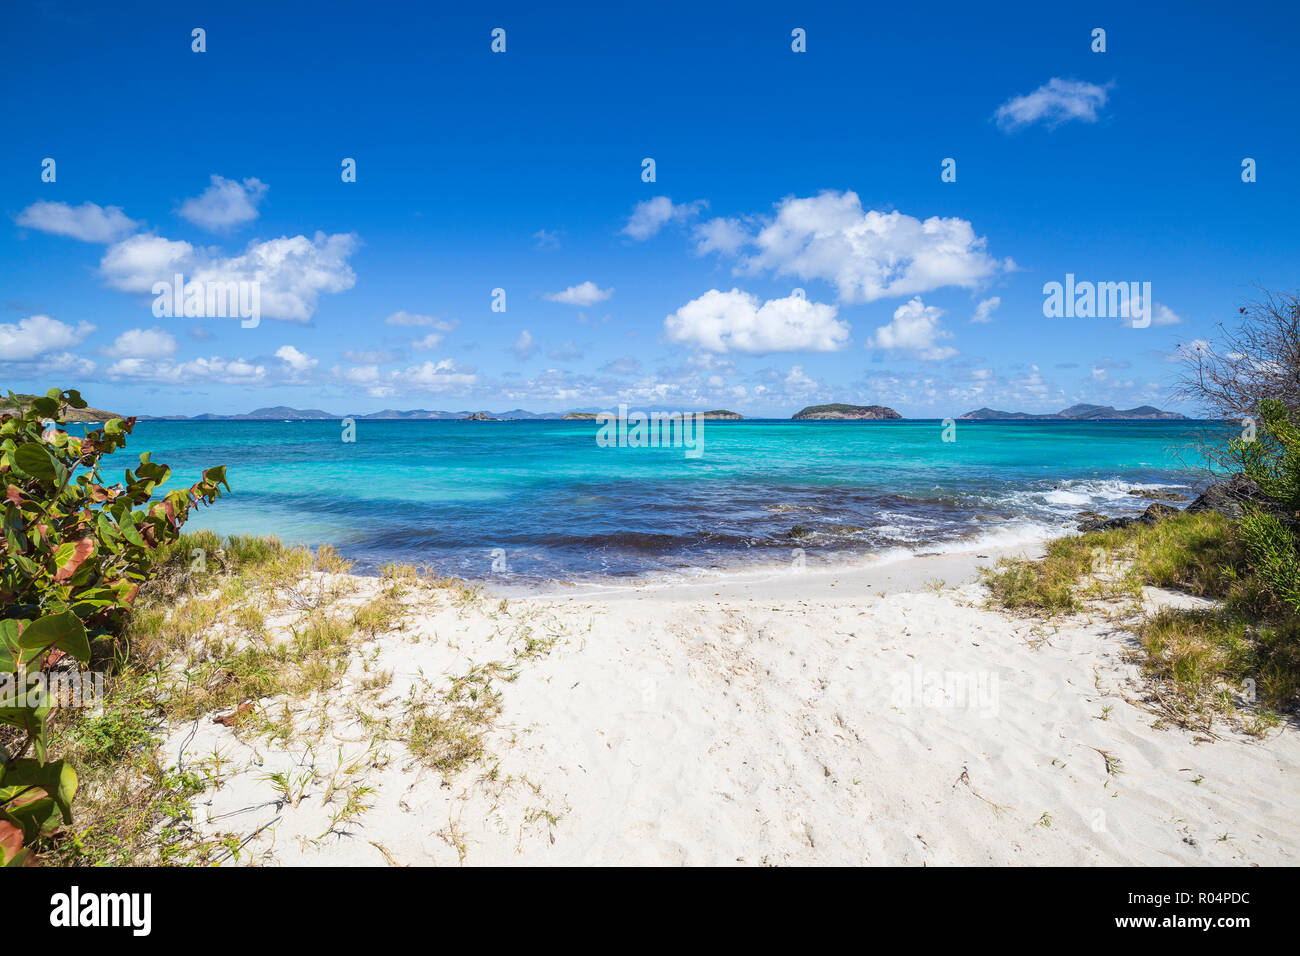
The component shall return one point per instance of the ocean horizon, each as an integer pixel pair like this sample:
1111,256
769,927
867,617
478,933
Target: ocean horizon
531,502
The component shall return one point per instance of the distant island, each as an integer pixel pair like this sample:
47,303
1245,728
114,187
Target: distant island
846,412
834,412
1078,413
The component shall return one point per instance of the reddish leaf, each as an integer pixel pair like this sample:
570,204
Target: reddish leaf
14,494
11,840
83,549
229,720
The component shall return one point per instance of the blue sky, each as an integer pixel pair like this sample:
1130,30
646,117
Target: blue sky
522,171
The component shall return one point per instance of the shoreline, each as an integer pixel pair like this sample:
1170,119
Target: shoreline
851,715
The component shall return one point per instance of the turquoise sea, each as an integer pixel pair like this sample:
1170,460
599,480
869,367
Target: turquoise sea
542,500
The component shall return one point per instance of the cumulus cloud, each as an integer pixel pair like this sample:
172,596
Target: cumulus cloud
870,255
735,321
916,329
225,204
985,309
39,335
292,273
588,293
87,222
299,362
651,215
1055,102
154,343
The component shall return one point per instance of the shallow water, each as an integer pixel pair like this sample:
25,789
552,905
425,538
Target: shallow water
544,498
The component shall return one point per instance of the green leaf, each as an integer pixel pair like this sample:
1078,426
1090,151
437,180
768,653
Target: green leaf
64,631
10,652
36,461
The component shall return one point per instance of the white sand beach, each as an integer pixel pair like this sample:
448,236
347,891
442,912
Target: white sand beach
852,715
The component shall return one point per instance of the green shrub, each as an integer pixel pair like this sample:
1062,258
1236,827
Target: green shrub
74,551
1271,536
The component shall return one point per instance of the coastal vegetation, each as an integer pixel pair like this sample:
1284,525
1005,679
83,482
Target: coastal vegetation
1238,545
274,642
75,551
18,401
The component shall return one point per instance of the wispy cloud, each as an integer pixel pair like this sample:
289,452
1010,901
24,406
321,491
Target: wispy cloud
651,215
87,222
1055,102
587,293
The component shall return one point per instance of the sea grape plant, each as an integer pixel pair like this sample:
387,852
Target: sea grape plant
74,551
1272,535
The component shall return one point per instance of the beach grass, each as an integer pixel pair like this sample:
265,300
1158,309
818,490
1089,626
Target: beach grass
1240,656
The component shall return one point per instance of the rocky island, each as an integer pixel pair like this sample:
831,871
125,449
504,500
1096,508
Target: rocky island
840,411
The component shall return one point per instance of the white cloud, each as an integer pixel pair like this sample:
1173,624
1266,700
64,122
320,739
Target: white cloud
298,362
870,255
224,204
359,375
588,293
430,341
735,322
292,273
87,222
1055,102
39,335
154,343
434,377
201,370
1165,316
915,329
524,344
1161,314
412,319
651,215
369,356
985,309
725,236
